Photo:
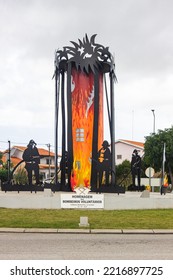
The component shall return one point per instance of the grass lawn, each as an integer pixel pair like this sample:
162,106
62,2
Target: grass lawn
98,219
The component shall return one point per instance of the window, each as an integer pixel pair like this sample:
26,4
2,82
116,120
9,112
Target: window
119,156
48,161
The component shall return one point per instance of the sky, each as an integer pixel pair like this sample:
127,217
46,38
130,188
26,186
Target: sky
138,34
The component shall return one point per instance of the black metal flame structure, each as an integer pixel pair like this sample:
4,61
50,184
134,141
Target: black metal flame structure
86,57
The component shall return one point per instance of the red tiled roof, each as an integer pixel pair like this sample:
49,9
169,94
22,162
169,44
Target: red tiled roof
15,160
40,150
134,143
45,152
3,158
21,148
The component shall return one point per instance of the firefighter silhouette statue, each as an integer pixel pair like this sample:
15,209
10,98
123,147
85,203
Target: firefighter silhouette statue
83,69
136,168
32,159
104,162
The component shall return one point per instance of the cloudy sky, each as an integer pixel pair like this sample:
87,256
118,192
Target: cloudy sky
139,34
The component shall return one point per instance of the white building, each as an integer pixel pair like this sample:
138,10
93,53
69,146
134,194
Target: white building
46,166
124,150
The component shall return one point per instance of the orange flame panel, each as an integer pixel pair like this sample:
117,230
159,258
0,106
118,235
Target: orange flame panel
82,125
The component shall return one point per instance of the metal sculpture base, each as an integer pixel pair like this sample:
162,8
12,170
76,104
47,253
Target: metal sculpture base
108,189
7,187
58,187
136,188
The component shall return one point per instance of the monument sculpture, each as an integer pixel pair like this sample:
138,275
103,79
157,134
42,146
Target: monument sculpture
81,75
82,72
32,159
136,169
104,162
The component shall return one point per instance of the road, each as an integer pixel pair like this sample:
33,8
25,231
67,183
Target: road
39,246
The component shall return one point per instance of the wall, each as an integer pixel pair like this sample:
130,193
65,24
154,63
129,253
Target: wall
47,200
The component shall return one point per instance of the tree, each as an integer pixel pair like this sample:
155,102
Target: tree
1,155
20,177
3,174
4,169
123,175
153,150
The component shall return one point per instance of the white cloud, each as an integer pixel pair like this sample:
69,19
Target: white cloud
138,32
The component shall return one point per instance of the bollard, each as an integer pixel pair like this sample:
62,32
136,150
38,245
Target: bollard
83,222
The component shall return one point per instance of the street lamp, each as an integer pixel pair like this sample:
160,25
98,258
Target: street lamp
153,120
48,145
9,159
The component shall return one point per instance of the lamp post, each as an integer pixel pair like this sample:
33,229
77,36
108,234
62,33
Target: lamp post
153,133
48,145
153,111
9,160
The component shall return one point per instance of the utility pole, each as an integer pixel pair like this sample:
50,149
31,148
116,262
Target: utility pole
153,111
9,160
48,145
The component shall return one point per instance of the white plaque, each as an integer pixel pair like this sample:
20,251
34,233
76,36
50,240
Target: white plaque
74,200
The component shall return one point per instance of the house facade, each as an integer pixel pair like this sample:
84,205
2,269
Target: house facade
47,163
124,150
